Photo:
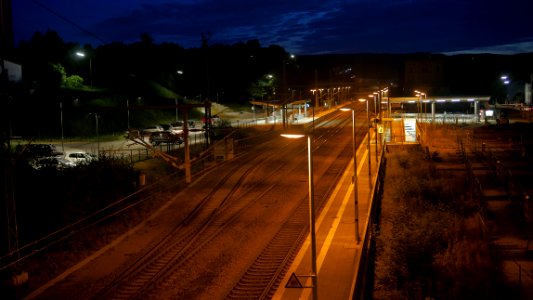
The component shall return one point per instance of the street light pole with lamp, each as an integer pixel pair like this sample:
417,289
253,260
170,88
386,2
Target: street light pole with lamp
379,129
421,95
62,131
179,73
128,112
354,179
386,91
374,95
81,54
506,81
97,135
368,142
284,99
314,275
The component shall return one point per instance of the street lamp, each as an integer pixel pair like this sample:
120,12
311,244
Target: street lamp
81,54
128,112
374,95
368,142
62,134
179,73
298,135
506,81
97,136
284,99
354,179
421,95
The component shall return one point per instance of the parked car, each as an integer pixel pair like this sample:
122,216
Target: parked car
78,157
213,120
165,137
38,150
55,162
152,129
132,134
176,127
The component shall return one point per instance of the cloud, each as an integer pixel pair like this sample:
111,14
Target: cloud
506,49
300,26
231,21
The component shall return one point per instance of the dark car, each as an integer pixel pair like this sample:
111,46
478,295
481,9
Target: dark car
38,150
165,137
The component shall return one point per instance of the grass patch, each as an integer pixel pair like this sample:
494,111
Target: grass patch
429,240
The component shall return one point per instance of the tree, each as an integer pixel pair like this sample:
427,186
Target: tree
73,82
56,75
262,88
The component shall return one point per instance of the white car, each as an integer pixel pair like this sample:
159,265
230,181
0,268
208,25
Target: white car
51,162
78,157
149,130
176,128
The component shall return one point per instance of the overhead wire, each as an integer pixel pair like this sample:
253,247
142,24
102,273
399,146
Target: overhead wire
81,28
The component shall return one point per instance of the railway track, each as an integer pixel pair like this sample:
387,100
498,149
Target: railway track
264,276
229,199
205,222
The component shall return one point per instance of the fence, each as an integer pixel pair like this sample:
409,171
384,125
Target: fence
514,191
363,288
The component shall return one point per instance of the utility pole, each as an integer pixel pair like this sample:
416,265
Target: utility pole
187,148
18,276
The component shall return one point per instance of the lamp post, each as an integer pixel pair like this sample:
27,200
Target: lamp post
314,274
506,81
368,142
284,97
420,96
81,54
128,111
423,97
253,111
179,73
354,179
386,90
62,134
374,95
315,93
97,136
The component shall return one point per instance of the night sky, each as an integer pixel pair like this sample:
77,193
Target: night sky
299,26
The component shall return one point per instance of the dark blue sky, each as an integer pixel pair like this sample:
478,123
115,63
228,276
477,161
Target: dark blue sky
300,26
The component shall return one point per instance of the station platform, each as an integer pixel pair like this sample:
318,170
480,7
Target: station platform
338,252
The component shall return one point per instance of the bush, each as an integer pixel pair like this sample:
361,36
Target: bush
48,199
426,245
73,82
466,269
